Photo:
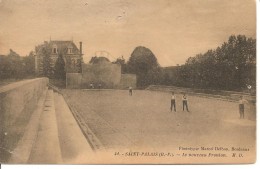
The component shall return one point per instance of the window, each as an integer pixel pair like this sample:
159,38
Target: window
69,50
54,49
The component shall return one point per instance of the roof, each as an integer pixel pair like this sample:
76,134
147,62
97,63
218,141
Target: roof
99,60
61,46
64,45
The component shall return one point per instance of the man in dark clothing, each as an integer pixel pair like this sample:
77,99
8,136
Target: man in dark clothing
242,102
173,102
185,102
130,91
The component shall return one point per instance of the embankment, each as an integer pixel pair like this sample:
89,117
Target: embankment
17,102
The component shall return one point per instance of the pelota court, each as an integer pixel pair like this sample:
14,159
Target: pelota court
144,120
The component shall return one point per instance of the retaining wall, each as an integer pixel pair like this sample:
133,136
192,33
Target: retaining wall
17,102
221,94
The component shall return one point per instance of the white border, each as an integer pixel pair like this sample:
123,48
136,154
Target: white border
243,166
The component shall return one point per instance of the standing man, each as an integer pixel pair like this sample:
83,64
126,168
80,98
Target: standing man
130,91
249,87
173,102
91,86
185,102
242,102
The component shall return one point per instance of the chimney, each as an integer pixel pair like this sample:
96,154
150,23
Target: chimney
80,48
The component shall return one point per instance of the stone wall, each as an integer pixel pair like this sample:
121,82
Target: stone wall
127,80
17,102
106,74
73,80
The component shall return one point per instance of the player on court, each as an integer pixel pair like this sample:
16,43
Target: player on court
91,86
130,91
185,102
173,104
242,102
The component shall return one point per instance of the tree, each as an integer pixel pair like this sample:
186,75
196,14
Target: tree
232,66
59,69
29,64
14,66
121,61
47,69
144,64
79,65
97,60
5,67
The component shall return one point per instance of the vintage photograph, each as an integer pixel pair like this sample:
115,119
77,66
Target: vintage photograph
127,81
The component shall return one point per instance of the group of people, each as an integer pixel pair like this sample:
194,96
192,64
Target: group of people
184,102
242,102
91,86
173,98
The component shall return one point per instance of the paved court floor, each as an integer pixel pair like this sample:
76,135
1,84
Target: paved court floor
144,120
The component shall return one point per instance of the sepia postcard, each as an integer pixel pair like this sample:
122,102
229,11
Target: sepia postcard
127,81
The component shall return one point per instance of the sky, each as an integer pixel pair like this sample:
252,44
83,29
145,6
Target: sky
173,30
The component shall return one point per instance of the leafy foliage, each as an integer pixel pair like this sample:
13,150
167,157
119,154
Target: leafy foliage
121,61
144,64
59,69
231,66
78,65
47,69
13,66
96,60
29,64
